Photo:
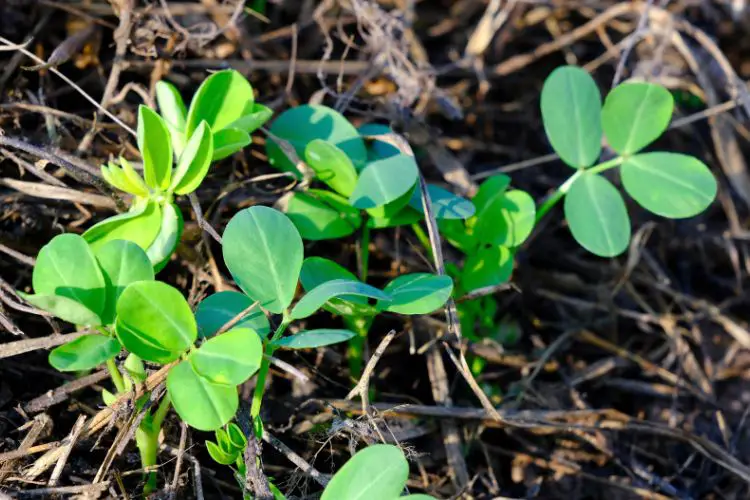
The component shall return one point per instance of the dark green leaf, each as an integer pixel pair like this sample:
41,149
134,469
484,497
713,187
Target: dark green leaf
384,181
236,436
219,455
322,293
635,115
201,404
310,339
403,217
445,205
218,309
489,266
155,145
84,353
377,149
230,358
317,270
419,293
322,215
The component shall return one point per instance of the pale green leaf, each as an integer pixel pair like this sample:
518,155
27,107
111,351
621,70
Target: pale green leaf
84,353
166,240
324,292
228,141
141,226
201,404
419,293
155,146
378,471
171,105
383,181
230,358
194,161
64,308
332,166
122,262
445,205
222,98
635,115
310,339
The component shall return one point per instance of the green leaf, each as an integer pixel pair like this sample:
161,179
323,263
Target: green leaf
218,309
597,216
383,181
303,124
66,267
445,205
669,184
84,353
64,308
378,471
419,293
154,321
250,122
171,105
140,225
403,217
201,404
135,179
459,234
118,178
393,208
310,339
228,141
378,149
219,455
572,115
508,220
489,266
419,496
322,215
194,161
321,294
221,99
264,252
122,262
317,271
155,145
230,358
332,166
134,367
236,436
635,115
166,240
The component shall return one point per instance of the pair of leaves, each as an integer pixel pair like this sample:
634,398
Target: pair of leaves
81,285
230,444
378,471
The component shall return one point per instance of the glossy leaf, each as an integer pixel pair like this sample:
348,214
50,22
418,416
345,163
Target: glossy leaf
378,471
310,339
166,240
635,115
221,99
302,124
201,404
669,184
171,106
318,270
133,177
155,145
116,177
220,456
597,216
228,141
315,298
230,358
218,309
140,225
264,252
64,308
332,166
236,437
84,353
489,266
322,215
419,293
122,262
384,181
445,205
194,161
67,267
508,220
257,115
154,321
571,112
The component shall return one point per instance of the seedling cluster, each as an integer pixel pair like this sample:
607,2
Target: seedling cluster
352,181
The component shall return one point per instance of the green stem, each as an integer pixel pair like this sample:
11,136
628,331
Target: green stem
265,365
116,376
364,252
550,202
147,441
161,413
423,238
356,349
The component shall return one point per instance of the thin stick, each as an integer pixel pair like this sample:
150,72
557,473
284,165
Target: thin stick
68,444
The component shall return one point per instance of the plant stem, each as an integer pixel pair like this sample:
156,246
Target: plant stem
147,441
555,197
356,349
116,376
364,252
260,382
423,238
161,412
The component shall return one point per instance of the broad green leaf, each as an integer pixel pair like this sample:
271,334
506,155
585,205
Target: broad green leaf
508,220
459,234
669,184
403,217
635,115
572,115
201,404
230,358
322,215
489,191
219,455
250,122
392,208
597,216
218,309
317,270
64,308
303,124
154,321
84,353
194,161
378,471
332,166
122,262
236,437
321,294
67,267
378,149
221,99
264,252
228,141
383,181
488,266
171,105
445,205
140,225
117,177
419,293
310,339
166,240
155,145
